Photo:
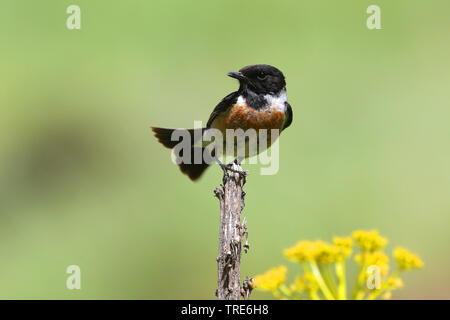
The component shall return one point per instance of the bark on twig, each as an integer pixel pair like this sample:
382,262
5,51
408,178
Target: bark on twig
232,232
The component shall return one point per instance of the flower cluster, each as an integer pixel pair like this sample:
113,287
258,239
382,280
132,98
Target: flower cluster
369,241
271,280
324,266
407,260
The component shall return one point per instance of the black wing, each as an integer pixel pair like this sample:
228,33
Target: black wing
288,118
223,106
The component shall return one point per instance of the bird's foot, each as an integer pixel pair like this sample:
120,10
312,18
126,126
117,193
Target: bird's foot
229,167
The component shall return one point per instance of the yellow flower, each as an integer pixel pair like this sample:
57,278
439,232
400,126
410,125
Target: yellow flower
311,285
324,267
301,252
387,295
344,247
324,252
377,258
394,283
369,240
270,280
298,286
407,260
311,282
319,251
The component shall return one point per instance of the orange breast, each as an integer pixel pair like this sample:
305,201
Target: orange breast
245,117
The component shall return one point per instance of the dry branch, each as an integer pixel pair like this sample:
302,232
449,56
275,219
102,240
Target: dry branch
232,232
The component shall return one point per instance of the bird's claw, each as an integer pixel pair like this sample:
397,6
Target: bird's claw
229,167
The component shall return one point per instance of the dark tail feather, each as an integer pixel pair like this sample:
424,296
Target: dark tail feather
193,171
164,136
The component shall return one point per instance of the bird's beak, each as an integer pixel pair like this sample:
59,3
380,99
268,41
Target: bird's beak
238,75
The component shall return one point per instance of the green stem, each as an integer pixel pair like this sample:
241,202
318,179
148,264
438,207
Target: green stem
360,295
306,268
340,273
375,294
278,295
313,295
325,270
359,281
323,287
285,290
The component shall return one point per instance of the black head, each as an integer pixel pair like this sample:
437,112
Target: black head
260,78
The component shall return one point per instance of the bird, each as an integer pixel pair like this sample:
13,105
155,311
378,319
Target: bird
259,103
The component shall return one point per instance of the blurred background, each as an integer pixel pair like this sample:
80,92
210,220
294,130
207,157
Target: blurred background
83,181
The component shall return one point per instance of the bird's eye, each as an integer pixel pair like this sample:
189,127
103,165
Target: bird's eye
261,76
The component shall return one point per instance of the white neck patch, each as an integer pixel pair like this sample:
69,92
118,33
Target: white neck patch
274,102
277,102
241,101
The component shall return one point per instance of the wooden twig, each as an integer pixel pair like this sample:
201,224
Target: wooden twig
232,232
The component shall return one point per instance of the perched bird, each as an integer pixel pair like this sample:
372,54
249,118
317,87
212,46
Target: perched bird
260,103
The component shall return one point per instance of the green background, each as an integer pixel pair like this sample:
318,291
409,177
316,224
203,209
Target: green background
83,181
